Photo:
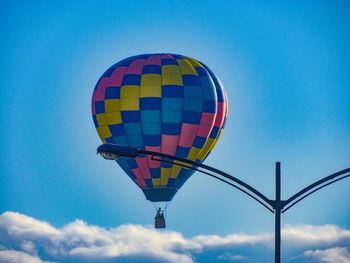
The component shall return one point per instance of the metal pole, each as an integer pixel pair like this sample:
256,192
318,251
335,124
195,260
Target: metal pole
278,214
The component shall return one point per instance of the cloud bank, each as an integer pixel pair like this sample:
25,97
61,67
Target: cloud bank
25,239
331,255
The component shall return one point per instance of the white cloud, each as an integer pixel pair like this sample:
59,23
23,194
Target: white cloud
81,242
22,226
208,241
126,240
331,255
12,256
230,257
302,235
28,247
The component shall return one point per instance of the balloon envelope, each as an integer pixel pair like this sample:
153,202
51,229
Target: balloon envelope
167,103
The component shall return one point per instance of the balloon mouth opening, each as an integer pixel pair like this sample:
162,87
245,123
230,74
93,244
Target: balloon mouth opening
164,194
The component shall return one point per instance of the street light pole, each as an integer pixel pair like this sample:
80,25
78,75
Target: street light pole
277,206
278,210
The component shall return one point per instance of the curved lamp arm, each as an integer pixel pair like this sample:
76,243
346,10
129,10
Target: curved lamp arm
218,178
113,152
209,168
312,188
110,151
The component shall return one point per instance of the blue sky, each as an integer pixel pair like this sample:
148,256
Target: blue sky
285,67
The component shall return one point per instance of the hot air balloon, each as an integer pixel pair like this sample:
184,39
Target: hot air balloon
167,103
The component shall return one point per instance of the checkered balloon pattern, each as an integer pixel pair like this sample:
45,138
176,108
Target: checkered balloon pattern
167,103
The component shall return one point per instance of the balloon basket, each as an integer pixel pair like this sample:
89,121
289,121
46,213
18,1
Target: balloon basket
159,220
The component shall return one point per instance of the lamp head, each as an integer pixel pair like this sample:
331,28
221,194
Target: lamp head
109,155
113,151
